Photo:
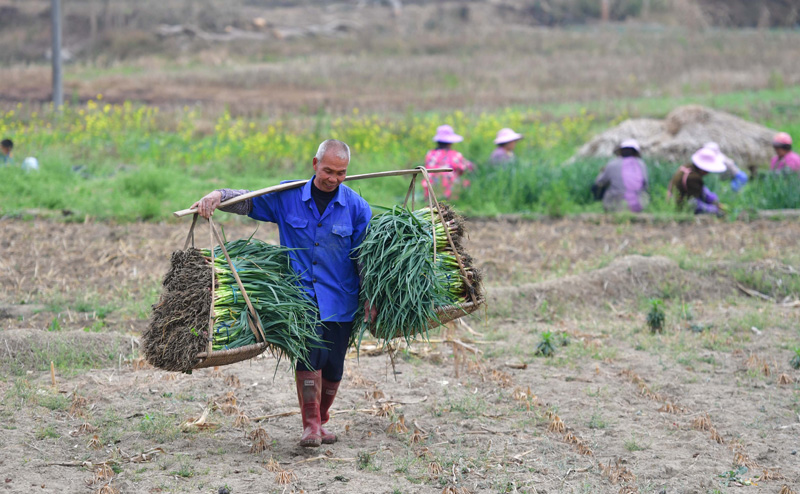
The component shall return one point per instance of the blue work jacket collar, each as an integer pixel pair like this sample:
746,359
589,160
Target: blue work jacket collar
338,198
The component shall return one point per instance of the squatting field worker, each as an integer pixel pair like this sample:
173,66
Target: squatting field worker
325,220
688,182
624,180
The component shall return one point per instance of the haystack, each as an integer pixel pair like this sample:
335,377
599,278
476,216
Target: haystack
684,131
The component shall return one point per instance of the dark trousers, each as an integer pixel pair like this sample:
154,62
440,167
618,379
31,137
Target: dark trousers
329,358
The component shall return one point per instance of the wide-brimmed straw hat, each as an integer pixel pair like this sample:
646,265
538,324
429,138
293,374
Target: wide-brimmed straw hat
445,133
631,144
709,160
782,139
506,135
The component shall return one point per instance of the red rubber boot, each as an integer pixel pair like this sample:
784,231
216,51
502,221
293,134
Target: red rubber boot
309,389
329,389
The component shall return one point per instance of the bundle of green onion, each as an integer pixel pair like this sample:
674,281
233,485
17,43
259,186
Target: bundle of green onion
178,329
400,277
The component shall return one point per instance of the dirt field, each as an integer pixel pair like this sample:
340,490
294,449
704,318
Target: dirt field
277,58
615,410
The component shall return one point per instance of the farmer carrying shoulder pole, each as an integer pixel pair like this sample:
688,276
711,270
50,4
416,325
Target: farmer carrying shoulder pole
325,220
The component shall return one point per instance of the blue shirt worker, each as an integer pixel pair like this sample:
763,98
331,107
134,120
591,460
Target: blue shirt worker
325,220
6,147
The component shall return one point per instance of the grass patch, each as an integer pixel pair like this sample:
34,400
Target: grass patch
22,394
185,468
46,432
597,422
633,444
69,356
468,405
159,427
777,285
112,427
53,401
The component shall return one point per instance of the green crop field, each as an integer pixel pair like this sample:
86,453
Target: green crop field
134,162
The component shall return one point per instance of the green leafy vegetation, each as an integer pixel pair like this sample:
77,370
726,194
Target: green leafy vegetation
795,361
398,250
656,316
546,347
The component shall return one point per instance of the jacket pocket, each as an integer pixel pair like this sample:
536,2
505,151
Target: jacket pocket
342,230
296,221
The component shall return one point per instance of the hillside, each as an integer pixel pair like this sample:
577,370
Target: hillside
114,29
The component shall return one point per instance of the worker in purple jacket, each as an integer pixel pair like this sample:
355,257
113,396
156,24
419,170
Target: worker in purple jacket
624,180
325,220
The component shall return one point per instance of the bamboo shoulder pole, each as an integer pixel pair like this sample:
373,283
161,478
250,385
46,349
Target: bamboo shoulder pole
300,183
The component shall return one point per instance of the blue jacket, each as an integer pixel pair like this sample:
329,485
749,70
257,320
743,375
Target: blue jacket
325,243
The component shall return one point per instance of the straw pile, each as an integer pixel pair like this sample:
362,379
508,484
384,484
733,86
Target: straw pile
685,130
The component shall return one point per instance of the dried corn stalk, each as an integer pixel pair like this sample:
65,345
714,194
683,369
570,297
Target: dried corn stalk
94,442
715,436
417,437
103,472
271,465
199,423
398,426
78,406
260,440
241,421
702,423
233,381
285,477
616,473
768,474
556,425
108,489
585,450
84,428
384,409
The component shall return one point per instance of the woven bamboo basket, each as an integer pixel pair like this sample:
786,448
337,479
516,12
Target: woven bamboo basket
450,313
446,314
214,358
226,357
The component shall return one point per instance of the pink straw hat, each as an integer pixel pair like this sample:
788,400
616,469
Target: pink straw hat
708,160
782,139
445,133
506,135
632,144
712,146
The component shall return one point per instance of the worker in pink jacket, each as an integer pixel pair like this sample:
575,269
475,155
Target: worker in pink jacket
785,159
